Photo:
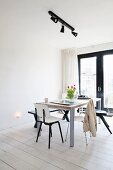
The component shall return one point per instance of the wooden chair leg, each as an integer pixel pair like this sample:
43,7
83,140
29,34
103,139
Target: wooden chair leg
67,132
86,139
60,132
105,123
51,131
39,129
49,136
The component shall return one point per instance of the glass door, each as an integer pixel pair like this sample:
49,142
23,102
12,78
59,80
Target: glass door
88,77
108,80
96,76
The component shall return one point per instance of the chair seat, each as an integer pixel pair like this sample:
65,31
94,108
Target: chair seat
51,119
103,112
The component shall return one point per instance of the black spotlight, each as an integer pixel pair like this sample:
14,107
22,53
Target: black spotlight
62,29
54,19
74,33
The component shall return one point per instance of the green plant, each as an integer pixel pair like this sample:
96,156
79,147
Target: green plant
71,92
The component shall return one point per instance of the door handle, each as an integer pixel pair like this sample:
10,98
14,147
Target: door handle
99,89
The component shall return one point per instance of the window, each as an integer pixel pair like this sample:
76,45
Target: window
95,76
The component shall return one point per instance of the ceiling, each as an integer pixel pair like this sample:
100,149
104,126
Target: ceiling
92,20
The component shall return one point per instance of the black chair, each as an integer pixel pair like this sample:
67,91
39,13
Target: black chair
47,119
101,114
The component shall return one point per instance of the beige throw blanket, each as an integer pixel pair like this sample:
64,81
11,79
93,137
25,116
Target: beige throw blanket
90,121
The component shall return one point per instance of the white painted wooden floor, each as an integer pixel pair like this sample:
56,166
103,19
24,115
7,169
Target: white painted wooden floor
18,149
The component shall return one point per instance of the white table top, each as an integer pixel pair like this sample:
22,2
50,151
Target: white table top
66,105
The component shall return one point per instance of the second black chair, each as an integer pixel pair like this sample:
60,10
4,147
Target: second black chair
101,114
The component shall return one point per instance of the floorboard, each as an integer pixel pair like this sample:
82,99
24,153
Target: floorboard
18,149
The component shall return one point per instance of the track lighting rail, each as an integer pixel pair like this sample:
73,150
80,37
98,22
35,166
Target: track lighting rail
56,18
61,20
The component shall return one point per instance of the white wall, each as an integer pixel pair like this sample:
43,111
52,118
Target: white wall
30,69
27,76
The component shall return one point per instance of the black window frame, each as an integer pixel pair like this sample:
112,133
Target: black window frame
99,71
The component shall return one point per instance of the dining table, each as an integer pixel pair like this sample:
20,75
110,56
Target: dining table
71,106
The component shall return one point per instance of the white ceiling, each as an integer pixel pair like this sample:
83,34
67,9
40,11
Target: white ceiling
92,20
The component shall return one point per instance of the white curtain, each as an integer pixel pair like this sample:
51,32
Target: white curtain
70,68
